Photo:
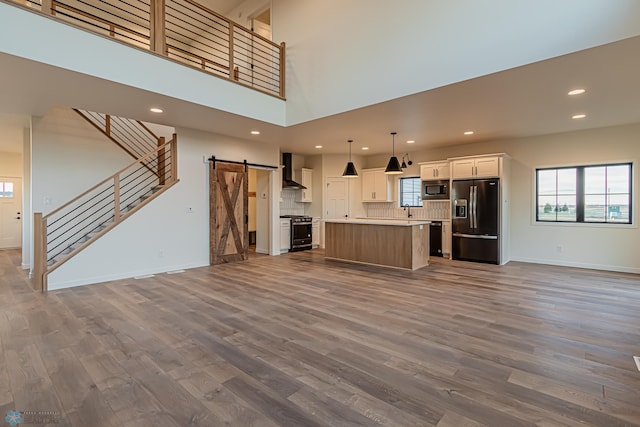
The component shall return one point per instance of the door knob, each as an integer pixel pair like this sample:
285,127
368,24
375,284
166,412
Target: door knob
17,217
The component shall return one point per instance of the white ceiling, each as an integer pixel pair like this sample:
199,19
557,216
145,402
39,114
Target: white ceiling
524,101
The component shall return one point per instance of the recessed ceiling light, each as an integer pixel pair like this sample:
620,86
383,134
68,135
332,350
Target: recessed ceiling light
469,132
576,92
365,148
255,132
318,146
411,141
579,116
155,110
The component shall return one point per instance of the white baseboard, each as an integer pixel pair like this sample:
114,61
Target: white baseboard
604,267
119,276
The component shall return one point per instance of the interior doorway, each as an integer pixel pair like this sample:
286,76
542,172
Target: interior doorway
259,211
261,23
10,212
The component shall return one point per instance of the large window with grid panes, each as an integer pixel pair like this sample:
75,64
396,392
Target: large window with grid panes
585,194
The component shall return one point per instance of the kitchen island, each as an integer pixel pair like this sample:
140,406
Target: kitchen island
398,243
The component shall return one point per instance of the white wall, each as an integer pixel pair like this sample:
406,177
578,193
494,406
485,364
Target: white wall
68,157
337,47
609,247
11,164
163,236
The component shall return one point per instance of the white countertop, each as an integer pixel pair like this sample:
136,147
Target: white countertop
379,221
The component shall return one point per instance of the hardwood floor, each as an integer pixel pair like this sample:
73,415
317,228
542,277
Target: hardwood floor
299,341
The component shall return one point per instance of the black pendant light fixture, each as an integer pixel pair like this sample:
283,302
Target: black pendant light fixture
350,169
393,167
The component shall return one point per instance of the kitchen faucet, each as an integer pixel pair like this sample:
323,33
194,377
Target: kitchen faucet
408,209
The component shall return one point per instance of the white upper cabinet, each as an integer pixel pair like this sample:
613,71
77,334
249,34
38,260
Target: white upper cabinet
376,186
476,167
306,179
434,170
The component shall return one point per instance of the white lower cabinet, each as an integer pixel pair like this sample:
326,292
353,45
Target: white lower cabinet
285,235
446,238
315,232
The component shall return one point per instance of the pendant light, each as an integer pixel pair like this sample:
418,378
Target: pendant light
393,167
350,169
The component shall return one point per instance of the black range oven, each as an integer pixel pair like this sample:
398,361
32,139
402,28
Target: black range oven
300,232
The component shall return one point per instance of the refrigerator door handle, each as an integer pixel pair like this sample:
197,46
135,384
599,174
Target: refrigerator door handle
472,208
475,236
474,204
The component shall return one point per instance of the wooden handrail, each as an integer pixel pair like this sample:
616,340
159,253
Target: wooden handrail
202,59
147,129
106,131
75,199
238,39
229,21
55,5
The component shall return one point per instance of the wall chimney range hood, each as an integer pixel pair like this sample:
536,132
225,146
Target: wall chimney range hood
287,173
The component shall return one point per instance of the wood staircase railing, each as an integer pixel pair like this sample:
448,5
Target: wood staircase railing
69,229
131,135
182,30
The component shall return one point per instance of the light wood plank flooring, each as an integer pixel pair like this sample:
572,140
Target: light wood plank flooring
299,341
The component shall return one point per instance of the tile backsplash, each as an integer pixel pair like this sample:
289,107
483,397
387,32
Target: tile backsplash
432,209
288,204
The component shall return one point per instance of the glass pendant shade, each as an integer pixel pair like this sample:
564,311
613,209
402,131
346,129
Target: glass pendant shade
393,167
350,169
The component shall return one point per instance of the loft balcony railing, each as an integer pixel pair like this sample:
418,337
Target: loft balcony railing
183,31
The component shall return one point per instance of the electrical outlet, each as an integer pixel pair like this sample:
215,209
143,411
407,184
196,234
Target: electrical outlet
559,248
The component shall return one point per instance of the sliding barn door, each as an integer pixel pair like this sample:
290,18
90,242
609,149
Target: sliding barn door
229,233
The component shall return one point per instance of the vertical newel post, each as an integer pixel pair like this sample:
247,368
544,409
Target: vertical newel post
282,69
233,74
39,252
157,27
161,161
174,158
47,7
107,124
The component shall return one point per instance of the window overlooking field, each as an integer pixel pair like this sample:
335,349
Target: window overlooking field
410,192
590,194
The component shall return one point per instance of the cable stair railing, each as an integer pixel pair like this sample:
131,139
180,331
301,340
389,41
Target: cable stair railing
66,231
183,31
133,136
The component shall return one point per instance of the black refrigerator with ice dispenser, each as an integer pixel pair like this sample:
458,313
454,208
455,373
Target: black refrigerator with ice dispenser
475,220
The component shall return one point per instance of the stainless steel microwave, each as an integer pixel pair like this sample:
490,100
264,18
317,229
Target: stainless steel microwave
435,190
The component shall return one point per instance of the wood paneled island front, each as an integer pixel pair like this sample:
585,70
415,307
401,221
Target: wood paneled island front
393,243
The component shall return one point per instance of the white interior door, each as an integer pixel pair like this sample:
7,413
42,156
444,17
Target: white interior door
10,212
337,198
